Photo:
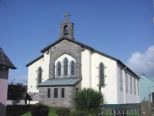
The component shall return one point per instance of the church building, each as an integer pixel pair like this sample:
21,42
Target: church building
67,66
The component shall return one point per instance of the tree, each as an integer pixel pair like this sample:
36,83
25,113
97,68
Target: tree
89,100
15,92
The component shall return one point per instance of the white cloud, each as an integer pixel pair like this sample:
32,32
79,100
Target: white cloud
143,63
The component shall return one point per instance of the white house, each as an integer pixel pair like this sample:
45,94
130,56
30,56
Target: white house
5,65
67,66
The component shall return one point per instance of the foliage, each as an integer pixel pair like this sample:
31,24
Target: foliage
77,113
15,92
39,110
89,100
63,112
17,110
25,110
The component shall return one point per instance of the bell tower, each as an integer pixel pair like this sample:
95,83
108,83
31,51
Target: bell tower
67,28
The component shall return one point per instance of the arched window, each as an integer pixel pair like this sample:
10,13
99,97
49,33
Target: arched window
39,75
65,30
72,68
65,66
101,74
58,69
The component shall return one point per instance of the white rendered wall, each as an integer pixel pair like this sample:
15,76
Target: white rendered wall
32,72
90,74
85,69
120,92
123,95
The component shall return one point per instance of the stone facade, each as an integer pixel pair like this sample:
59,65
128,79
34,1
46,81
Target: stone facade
67,101
65,47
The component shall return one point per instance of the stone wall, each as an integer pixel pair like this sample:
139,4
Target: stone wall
65,47
67,101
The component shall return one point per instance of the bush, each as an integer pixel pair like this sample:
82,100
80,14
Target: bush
78,113
89,100
39,110
63,112
17,110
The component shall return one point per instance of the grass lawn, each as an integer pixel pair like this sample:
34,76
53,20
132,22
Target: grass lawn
52,112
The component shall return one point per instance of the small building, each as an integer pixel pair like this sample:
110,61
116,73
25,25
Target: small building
67,66
5,65
146,89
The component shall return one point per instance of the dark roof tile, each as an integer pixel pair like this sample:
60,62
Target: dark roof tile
5,61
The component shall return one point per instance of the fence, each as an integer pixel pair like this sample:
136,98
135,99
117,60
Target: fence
121,110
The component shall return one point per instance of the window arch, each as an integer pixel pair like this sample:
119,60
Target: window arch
65,66
39,75
72,68
101,74
65,30
58,69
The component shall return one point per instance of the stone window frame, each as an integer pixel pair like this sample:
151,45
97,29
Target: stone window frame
48,92
120,78
138,88
61,59
65,69
62,92
39,75
126,81
101,74
59,68
131,87
66,30
72,68
134,86
55,92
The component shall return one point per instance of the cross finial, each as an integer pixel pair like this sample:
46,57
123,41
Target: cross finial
67,15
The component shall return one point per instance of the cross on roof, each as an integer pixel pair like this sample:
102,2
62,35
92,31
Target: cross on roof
67,15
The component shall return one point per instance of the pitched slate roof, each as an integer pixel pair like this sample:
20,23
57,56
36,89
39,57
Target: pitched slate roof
60,82
41,56
78,43
5,61
87,47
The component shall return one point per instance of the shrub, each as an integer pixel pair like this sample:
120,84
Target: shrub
89,100
39,110
63,112
17,110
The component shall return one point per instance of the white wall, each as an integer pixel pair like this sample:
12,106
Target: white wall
90,74
85,69
32,72
127,97
111,91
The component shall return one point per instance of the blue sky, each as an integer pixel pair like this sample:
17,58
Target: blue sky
121,28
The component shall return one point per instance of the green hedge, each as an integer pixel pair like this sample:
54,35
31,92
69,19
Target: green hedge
17,110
